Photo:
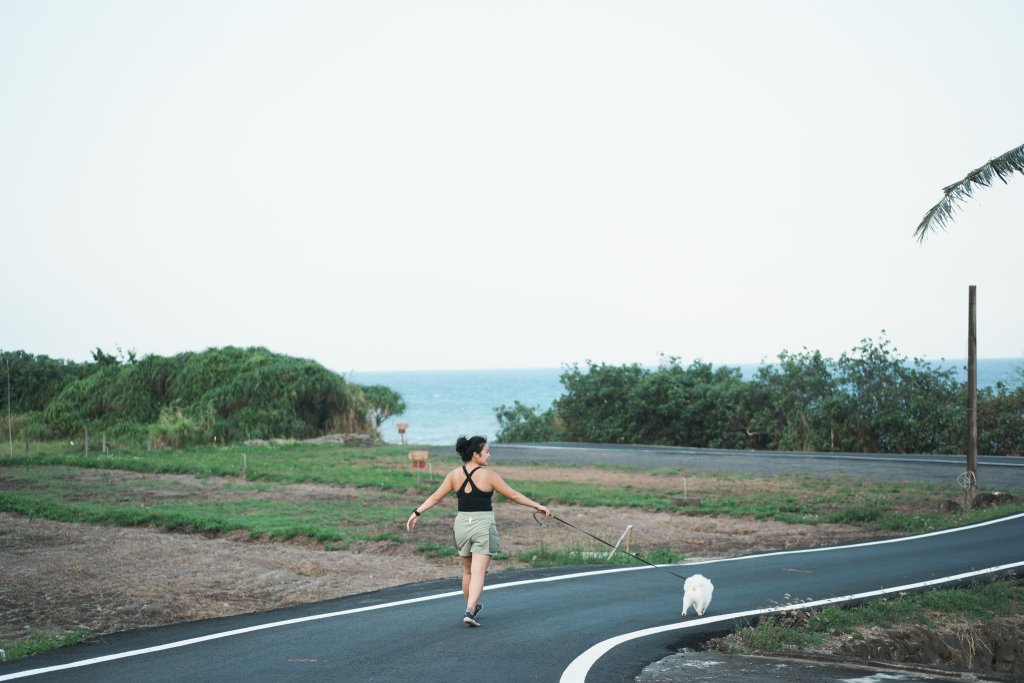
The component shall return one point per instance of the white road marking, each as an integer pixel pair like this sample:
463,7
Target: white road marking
498,586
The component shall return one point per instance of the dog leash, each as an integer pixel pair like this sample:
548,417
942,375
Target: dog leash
601,540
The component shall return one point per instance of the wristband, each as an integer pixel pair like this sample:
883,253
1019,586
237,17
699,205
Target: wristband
416,512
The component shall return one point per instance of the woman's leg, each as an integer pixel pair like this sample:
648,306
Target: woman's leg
467,572
478,568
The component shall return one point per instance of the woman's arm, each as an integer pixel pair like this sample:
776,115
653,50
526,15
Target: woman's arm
504,489
433,499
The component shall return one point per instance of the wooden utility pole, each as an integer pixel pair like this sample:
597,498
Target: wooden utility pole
10,431
972,394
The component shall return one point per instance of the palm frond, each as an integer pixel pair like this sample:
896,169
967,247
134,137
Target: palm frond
1002,167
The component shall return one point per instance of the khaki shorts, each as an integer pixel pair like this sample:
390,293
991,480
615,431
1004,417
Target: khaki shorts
476,533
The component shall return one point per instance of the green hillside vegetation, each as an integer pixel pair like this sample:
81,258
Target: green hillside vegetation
871,400
218,395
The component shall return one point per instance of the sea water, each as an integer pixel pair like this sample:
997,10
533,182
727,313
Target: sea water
442,404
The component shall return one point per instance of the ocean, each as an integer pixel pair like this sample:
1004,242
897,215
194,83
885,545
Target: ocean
442,404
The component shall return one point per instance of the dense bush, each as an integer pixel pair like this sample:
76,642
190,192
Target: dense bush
596,405
228,393
113,396
522,423
695,404
1001,419
869,400
630,404
37,380
793,405
892,406
174,429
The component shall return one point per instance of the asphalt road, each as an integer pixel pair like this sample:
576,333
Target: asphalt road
994,472
589,625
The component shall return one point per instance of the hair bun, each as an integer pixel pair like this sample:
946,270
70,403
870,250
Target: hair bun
461,444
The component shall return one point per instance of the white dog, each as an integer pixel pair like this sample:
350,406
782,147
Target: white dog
697,594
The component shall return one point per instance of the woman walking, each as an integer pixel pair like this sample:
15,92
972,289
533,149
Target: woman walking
476,534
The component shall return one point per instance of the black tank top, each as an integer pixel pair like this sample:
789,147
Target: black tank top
472,499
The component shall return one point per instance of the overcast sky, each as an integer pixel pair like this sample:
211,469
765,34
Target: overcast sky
436,185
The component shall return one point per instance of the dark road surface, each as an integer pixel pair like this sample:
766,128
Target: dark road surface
994,472
538,625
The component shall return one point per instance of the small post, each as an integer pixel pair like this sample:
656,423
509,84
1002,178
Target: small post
87,441
104,442
26,444
402,426
245,465
972,394
10,429
629,529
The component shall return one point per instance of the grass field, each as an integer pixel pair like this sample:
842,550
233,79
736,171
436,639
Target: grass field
379,485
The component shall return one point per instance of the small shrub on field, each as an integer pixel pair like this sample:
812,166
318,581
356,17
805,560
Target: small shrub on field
37,642
174,429
436,550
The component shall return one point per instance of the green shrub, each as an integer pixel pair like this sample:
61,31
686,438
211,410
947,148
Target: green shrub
521,423
174,429
871,399
36,642
229,393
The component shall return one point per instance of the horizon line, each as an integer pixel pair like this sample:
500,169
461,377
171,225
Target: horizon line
643,365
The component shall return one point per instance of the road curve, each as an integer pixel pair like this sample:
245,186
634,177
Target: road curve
539,625
994,472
